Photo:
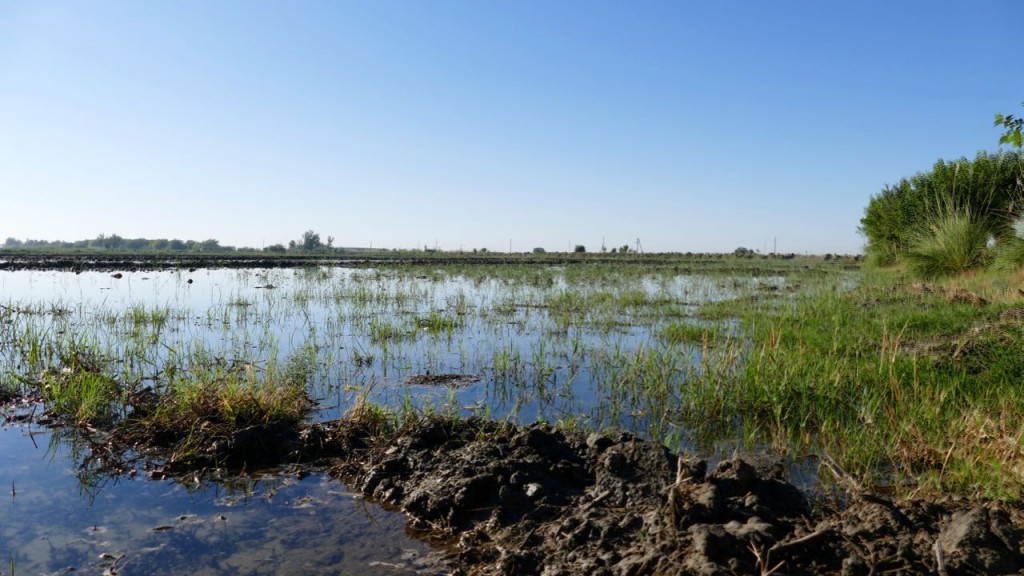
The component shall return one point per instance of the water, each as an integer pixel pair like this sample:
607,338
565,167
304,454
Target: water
547,345
54,522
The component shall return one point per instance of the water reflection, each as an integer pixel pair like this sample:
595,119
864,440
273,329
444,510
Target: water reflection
65,512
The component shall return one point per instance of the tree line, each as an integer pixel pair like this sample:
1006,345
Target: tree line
310,241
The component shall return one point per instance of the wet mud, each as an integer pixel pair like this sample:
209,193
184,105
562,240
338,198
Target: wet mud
537,500
139,262
498,498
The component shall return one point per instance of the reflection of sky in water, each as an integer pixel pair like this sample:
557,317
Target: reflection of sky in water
534,363
273,525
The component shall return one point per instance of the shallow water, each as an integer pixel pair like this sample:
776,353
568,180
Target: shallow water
369,330
550,348
270,524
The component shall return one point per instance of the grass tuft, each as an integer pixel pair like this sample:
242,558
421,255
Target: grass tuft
954,242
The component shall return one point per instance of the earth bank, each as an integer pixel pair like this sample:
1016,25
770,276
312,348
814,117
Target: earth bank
538,500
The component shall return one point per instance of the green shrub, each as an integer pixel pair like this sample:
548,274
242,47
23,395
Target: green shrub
952,243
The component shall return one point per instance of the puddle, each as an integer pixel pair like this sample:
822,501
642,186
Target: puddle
51,523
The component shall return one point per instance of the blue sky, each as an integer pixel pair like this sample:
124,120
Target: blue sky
691,125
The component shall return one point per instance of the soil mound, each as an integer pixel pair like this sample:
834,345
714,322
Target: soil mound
538,500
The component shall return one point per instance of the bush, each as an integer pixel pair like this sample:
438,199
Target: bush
988,186
953,242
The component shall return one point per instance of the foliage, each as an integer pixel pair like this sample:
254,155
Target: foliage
988,187
953,242
1014,126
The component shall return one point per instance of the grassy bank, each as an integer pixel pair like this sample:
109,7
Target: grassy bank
907,386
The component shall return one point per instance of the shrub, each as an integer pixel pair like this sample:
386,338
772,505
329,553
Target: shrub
953,242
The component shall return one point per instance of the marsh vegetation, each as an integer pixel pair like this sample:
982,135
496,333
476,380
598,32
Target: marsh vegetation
862,381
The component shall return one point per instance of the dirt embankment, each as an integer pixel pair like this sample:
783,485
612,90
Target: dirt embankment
535,500
138,262
523,500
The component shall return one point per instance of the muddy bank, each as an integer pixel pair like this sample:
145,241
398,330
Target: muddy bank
535,500
128,262
504,499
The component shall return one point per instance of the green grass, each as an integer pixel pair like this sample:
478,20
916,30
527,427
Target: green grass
952,243
899,387
892,378
680,332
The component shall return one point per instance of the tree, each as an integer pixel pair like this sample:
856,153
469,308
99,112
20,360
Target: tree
580,249
1014,126
310,241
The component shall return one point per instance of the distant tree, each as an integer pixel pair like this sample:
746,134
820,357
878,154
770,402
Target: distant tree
624,249
275,248
209,245
741,251
310,241
176,244
12,242
159,244
538,250
136,244
579,249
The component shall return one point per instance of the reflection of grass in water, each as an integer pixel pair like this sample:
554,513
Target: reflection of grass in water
582,342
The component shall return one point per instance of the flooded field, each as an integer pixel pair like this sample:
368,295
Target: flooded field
579,346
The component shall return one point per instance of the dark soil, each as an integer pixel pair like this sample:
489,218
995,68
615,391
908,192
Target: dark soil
505,499
138,262
537,500
450,380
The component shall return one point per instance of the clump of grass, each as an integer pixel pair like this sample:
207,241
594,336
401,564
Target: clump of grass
221,400
382,331
954,242
437,324
687,333
83,389
84,397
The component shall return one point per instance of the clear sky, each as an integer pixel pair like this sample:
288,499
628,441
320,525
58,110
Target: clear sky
691,125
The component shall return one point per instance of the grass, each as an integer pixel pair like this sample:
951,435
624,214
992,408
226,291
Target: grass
892,378
952,243
679,332
901,388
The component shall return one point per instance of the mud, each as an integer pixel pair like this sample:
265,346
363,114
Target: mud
537,500
139,262
505,499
